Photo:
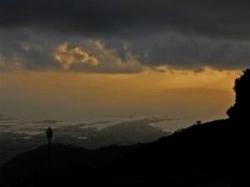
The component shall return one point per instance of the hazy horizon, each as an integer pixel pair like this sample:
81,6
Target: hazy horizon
68,96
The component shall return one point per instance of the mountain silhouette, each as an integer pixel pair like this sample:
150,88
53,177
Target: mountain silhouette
205,154
240,110
193,156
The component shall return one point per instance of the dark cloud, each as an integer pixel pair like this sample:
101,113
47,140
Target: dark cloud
208,17
25,49
124,36
184,51
31,50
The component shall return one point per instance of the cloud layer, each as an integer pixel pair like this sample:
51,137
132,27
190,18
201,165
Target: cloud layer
93,56
211,17
118,36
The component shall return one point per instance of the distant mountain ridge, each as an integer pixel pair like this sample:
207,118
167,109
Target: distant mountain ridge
120,133
202,157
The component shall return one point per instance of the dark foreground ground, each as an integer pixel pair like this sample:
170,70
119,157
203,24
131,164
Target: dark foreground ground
197,156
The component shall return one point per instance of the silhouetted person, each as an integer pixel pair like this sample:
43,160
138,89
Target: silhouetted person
49,134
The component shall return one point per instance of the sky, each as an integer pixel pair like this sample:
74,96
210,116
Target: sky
75,59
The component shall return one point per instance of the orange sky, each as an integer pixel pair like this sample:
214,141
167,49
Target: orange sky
185,94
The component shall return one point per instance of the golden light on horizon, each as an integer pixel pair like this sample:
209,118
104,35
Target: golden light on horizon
141,93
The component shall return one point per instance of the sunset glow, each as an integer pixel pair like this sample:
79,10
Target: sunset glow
175,93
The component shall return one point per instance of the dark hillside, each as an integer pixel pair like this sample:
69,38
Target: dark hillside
198,154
